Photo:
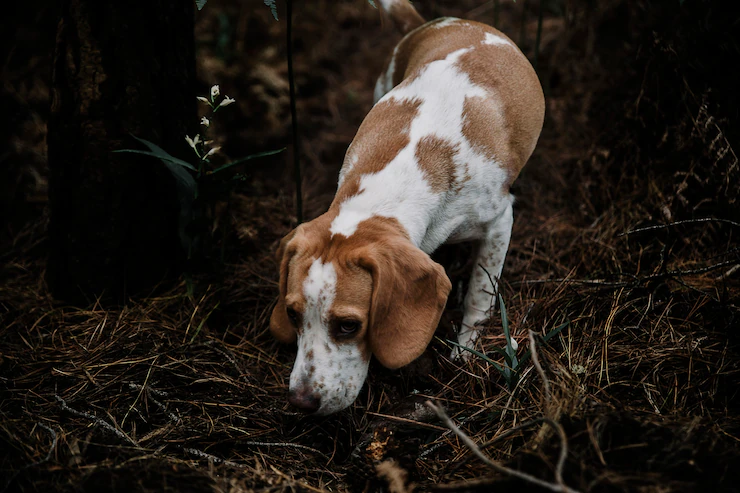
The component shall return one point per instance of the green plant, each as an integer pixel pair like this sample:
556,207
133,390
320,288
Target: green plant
192,180
511,369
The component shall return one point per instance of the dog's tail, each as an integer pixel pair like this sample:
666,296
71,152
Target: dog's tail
404,15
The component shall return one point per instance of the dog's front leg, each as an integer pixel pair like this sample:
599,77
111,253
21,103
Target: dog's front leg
482,289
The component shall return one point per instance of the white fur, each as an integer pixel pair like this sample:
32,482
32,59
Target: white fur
476,208
385,81
492,39
444,22
478,211
400,190
334,371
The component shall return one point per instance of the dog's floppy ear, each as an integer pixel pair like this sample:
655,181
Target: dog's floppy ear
280,326
409,293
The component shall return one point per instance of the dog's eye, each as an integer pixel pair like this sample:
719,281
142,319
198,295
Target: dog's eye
293,317
348,327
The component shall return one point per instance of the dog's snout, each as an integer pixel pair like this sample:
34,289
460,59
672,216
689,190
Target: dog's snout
304,399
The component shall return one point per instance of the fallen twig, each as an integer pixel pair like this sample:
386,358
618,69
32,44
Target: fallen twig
677,223
211,458
98,421
473,447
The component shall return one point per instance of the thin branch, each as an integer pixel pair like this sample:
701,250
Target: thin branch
678,223
281,444
98,421
539,37
211,458
294,118
536,362
506,470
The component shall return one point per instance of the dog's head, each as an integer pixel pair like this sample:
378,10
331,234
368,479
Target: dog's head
345,299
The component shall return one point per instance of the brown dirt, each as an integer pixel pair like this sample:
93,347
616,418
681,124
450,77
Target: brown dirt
626,227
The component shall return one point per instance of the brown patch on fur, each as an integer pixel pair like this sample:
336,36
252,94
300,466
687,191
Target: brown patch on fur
504,127
435,156
394,288
382,135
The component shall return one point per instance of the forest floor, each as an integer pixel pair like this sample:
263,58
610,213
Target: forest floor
625,238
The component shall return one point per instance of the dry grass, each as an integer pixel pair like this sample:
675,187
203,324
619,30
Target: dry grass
185,392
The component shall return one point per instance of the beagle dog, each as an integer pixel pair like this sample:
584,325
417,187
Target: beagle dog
458,112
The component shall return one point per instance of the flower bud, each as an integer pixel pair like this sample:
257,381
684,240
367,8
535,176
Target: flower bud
212,152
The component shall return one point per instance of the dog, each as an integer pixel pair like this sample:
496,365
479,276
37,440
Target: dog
458,112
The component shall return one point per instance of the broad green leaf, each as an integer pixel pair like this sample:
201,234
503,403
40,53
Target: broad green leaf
158,152
164,159
245,159
273,7
200,4
187,189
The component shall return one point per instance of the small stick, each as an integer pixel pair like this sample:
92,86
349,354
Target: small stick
211,458
677,223
536,362
98,421
506,470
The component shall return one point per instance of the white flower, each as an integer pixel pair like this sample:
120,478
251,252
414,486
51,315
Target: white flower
227,101
205,121
203,100
215,91
514,344
212,152
193,142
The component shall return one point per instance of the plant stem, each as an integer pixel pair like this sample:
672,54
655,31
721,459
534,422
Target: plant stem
539,36
294,118
523,23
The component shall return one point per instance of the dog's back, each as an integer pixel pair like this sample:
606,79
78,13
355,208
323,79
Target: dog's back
504,125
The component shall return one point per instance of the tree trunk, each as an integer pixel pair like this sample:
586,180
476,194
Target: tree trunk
120,69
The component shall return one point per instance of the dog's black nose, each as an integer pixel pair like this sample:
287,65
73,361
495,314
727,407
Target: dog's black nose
304,399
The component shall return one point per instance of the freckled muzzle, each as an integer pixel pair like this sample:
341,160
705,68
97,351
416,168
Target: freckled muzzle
326,378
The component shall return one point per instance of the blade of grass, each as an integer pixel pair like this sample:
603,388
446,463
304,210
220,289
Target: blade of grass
245,159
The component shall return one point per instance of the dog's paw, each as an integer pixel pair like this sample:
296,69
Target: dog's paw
467,338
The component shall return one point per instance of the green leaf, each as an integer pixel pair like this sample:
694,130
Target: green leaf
158,152
525,357
273,7
479,354
200,325
187,189
503,353
507,333
372,3
245,159
200,4
555,331
164,159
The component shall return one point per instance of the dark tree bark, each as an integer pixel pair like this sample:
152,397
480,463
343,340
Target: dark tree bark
120,68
